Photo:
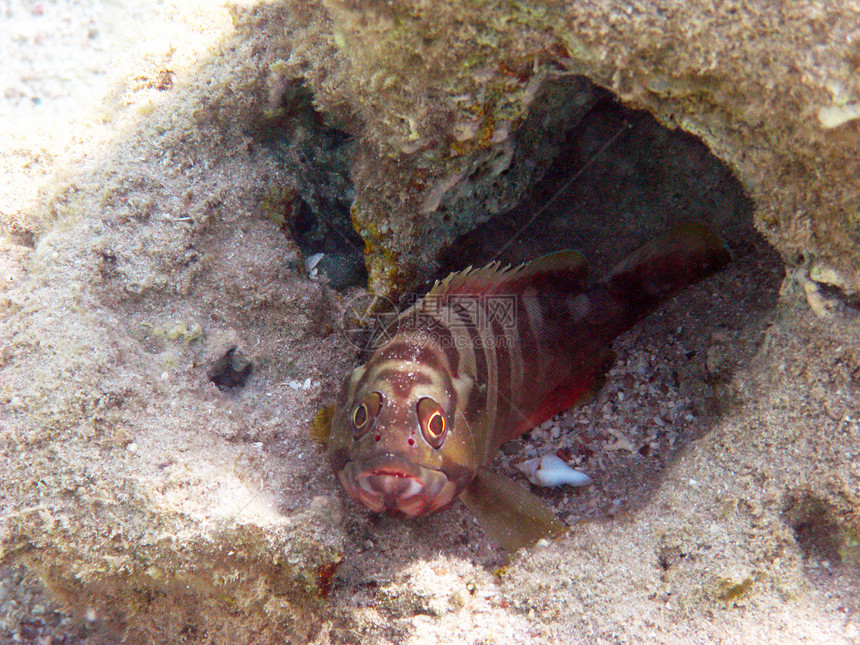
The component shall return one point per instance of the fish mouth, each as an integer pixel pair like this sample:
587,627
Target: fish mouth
393,484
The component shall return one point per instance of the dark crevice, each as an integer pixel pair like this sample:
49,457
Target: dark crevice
316,210
618,179
231,370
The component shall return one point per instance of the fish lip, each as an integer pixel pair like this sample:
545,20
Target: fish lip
392,484
390,464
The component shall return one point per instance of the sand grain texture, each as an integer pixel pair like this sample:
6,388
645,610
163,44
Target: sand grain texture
149,249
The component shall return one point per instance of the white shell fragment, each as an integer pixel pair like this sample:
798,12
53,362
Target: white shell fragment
550,470
312,261
299,385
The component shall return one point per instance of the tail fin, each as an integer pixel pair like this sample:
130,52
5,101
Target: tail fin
678,258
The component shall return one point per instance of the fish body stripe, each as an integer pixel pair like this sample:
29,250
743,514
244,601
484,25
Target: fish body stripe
502,349
405,348
481,348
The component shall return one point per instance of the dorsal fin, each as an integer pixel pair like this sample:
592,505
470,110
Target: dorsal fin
562,270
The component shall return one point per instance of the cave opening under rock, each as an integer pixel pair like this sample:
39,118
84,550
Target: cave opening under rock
619,179
616,179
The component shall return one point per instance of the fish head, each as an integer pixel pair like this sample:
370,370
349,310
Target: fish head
398,443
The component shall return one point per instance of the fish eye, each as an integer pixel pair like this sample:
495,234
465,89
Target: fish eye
359,417
364,414
434,426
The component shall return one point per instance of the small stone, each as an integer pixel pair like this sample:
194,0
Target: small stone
716,358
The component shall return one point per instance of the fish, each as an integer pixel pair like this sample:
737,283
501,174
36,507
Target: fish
483,357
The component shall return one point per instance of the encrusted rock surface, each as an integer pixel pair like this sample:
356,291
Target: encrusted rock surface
434,92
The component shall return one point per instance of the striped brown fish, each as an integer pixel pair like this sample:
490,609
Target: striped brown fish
485,356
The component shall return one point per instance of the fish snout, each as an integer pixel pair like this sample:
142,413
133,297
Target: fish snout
395,485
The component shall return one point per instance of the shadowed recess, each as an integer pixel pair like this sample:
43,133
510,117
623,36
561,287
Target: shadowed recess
315,210
231,370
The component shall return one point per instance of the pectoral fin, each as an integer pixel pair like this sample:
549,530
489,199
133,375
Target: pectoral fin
321,424
508,512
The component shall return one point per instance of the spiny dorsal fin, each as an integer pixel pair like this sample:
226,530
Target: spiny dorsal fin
563,270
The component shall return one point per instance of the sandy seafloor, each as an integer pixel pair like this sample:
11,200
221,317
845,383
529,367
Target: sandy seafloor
731,378
67,65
